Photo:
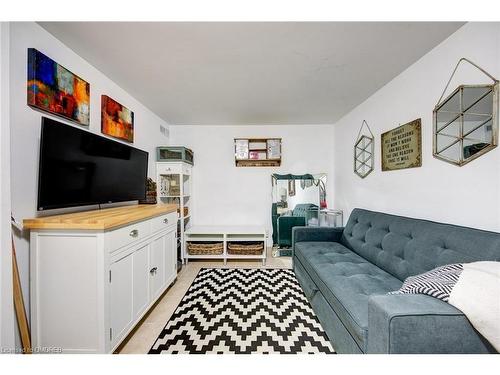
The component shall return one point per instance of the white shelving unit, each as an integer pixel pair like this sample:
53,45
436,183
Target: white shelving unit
174,182
225,234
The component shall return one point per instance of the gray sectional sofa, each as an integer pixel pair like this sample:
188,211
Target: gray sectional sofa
346,274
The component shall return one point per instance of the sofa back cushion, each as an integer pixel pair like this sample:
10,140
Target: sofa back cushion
405,247
302,208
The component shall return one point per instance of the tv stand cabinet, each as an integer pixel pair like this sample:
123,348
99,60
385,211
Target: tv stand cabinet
95,274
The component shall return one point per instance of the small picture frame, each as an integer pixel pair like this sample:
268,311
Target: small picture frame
291,188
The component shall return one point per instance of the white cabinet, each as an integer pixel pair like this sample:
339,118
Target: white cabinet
140,279
89,288
170,257
163,263
226,235
174,180
121,309
157,266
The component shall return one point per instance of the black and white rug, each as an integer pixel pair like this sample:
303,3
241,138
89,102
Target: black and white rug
243,311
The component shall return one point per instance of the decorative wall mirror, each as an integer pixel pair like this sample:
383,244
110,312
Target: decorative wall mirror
466,122
364,152
297,209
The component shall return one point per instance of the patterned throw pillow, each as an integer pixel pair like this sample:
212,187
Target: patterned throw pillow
437,283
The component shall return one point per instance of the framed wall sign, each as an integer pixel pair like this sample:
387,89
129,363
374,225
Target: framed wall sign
241,149
402,147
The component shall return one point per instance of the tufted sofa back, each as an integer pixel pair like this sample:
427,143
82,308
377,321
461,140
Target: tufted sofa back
404,247
302,208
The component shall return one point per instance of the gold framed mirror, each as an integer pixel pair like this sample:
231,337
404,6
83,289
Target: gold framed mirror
466,121
364,152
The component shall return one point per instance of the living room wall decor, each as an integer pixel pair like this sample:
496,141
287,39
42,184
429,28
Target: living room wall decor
364,152
402,147
54,89
116,119
466,121
291,188
257,152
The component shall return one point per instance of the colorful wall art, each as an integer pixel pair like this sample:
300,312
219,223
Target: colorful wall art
116,120
54,89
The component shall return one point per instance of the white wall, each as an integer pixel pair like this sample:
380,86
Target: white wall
25,122
6,304
226,195
468,195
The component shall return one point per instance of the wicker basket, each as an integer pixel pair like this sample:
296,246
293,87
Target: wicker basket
205,248
245,248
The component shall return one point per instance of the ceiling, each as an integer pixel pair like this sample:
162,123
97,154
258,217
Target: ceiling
251,73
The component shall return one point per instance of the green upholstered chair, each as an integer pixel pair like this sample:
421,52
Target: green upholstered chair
285,223
274,220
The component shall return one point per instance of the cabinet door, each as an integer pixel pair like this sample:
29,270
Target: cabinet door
141,280
121,300
170,256
157,267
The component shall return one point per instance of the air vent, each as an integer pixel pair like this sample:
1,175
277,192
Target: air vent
164,130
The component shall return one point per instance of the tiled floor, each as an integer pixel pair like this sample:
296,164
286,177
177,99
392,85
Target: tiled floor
141,340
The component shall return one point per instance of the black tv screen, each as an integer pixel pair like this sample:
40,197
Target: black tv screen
80,168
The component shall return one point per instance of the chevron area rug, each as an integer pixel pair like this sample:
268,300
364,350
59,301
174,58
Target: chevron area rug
243,311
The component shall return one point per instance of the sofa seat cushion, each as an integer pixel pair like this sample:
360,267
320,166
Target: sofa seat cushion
346,280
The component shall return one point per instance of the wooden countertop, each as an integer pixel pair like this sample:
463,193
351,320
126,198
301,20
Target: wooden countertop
104,219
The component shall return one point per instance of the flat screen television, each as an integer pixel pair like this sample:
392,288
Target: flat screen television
79,168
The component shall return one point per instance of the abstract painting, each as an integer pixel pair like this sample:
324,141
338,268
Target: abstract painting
54,89
116,120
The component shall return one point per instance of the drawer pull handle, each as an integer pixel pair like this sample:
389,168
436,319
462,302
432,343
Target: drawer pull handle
134,233
165,221
153,270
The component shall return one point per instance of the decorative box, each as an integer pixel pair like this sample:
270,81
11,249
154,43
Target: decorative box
174,153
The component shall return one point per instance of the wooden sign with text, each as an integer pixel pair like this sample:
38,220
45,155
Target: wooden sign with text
402,147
